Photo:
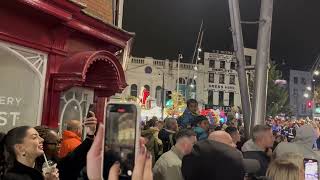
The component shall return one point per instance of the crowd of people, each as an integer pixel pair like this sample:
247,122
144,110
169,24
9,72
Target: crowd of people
186,148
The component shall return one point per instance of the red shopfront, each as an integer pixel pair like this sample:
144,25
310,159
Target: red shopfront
55,61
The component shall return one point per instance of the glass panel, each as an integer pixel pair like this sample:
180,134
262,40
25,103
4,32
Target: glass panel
72,112
19,93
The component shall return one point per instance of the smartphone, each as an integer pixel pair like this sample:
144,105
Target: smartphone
91,108
122,134
311,169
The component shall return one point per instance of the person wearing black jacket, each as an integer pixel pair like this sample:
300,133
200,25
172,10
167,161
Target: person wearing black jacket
167,134
19,149
259,147
71,165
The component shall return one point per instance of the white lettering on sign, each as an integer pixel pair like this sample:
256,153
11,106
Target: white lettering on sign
13,116
10,100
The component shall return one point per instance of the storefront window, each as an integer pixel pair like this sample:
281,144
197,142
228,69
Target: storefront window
22,81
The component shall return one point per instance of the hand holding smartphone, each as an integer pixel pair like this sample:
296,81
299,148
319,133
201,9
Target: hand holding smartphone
121,141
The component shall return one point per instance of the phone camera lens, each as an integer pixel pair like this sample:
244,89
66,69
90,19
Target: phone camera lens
129,172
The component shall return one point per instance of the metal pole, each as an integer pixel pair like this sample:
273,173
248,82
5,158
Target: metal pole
179,58
163,97
239,51
261,69
120,13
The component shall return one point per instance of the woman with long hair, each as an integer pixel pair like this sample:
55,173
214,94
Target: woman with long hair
19,149
290,166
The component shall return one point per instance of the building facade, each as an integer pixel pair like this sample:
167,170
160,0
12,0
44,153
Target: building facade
214,83
57,58
300,86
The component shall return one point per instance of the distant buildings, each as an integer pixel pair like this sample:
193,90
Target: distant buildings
300,96
214,84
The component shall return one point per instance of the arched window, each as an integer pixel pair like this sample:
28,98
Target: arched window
134,90
182,86
191,89
147,87
182,81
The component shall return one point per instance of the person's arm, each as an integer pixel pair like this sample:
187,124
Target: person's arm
76,160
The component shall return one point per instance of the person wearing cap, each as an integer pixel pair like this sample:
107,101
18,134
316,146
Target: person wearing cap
259,147
168,166
202,127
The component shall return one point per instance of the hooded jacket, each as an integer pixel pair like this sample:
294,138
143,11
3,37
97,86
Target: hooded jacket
70,141
302,144
252,151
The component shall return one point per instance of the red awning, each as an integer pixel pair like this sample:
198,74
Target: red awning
99,70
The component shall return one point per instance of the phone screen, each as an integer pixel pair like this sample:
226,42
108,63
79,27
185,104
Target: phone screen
311,169
120,137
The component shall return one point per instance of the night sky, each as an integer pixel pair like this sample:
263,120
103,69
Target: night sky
165,27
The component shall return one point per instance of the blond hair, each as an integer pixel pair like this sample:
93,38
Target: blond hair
294,158
282,169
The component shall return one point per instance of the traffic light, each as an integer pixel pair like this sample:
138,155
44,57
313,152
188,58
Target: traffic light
317,108
309,104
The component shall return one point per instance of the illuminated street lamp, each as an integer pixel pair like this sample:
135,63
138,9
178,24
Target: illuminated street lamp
309,88
199,49
306,95
316,73
192,85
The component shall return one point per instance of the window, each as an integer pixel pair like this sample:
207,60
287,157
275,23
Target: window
211,64
134,90
222,64
231,99
147,87
221,78
210,97
295,92
248,60
233,65
295,80
21,93
211,77
232,79
182,81
221,98
303,81
148,70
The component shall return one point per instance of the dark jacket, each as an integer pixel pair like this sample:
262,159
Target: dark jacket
168,139
71,165
22,172
188,119
252,151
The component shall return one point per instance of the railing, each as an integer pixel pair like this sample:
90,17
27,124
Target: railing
137,60
162,63
158,62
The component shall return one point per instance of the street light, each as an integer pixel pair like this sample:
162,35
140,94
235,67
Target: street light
306,95
316,73
199,49
309,88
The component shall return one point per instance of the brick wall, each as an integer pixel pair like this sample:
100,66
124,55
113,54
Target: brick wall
101,9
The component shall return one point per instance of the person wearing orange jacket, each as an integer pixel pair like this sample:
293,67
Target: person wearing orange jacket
71,137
